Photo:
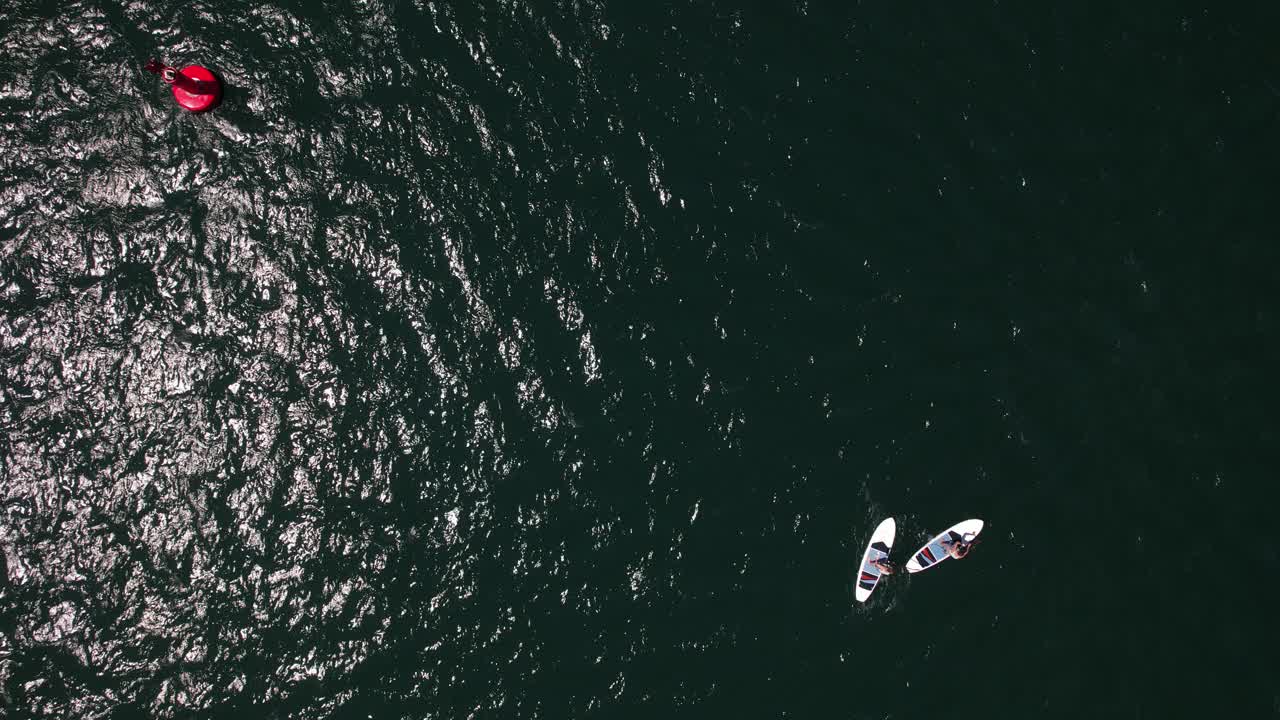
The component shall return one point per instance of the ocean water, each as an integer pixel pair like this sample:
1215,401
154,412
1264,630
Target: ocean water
556,360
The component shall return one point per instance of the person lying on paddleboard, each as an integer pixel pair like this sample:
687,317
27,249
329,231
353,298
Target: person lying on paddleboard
882,565
957,548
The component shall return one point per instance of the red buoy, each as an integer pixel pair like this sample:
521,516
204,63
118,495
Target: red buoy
194,87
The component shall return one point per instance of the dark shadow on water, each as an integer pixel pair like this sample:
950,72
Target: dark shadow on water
233,96
234,107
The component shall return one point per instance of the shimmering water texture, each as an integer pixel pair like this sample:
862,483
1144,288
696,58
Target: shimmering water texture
555,360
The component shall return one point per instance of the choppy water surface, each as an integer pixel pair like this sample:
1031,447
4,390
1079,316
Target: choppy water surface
555,360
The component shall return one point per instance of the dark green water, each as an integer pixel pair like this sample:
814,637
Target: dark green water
556,360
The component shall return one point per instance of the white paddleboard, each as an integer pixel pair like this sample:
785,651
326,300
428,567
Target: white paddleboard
878,549
933,552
